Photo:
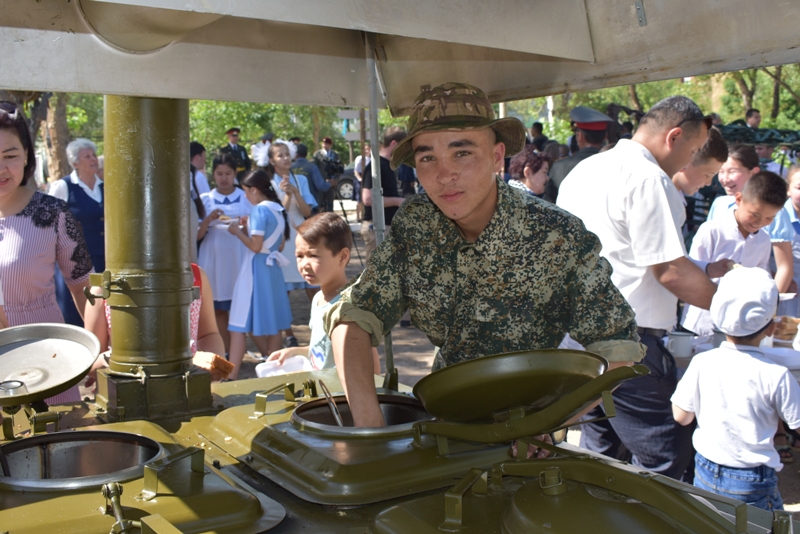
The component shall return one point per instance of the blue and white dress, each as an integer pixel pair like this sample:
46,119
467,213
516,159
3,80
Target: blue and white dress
260,302
292,277
222,253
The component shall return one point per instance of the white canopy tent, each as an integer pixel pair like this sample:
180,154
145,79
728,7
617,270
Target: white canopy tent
322,51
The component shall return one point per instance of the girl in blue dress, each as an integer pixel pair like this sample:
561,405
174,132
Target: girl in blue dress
260,304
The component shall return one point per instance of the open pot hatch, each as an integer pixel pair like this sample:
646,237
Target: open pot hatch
485,389
38,361
500,398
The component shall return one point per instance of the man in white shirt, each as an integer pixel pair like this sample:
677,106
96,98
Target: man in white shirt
361,163
197,157
627,198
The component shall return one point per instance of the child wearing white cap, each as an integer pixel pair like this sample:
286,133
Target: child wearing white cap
738,395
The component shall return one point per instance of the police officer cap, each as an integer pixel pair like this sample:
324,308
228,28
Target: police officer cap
268,137
589,119
234,129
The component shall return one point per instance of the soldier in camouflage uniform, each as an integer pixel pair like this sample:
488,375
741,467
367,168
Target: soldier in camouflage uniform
482,268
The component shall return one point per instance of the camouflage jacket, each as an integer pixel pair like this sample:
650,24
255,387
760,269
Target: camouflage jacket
533,275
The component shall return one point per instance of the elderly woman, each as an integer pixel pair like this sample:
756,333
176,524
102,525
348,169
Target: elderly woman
529,170
82,190
37,233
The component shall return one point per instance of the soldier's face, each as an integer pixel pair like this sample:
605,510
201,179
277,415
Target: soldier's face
457,168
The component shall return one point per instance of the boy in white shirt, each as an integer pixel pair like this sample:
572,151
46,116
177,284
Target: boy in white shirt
323,246
738,235
738,395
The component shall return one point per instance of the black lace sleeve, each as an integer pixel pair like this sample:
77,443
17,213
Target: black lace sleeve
72,254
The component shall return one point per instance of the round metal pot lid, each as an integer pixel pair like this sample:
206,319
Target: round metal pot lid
487,388
38,361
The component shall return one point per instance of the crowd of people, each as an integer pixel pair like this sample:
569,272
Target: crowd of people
517,242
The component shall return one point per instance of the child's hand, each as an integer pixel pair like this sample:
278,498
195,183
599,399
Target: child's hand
279,356
213,216
233,228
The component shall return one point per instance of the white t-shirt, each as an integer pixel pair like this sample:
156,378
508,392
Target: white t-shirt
738,395
320,349
361,164
721,239
633,207
201,182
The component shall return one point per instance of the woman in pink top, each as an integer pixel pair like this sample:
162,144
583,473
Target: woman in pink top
37,233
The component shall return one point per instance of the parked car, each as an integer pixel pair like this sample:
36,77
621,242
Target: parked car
346,188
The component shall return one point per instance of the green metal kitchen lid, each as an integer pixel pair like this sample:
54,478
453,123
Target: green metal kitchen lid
486,389
38,361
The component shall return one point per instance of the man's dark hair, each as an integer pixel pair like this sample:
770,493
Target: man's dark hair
670,112
627,126
744,154
195,149
293,139
593,137
751,112
538,126
715,148
393,133
302,150
766,187
328,230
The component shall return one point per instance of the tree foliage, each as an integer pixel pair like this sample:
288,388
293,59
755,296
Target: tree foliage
721,93
85,118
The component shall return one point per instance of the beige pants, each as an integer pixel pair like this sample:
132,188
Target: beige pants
368,235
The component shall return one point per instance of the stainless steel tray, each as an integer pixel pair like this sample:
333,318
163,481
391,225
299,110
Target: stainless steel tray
47,358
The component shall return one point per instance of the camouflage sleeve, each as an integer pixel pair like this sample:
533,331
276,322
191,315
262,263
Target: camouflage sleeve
374,301
601,318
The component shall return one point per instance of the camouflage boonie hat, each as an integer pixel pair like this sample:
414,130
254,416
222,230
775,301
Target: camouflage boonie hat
456,106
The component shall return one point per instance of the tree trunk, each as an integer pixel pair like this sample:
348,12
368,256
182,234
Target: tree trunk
784,85
315,122
776,93
636,103
746,92
58,134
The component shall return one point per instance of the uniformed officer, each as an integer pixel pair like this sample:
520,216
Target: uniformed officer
590,133
482,268
239,152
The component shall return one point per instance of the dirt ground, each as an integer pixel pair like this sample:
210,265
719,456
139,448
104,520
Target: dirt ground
413,355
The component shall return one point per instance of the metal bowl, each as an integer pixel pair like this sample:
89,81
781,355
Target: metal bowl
76,459
46,358
486,388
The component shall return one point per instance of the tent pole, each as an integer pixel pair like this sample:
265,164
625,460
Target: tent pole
378,221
